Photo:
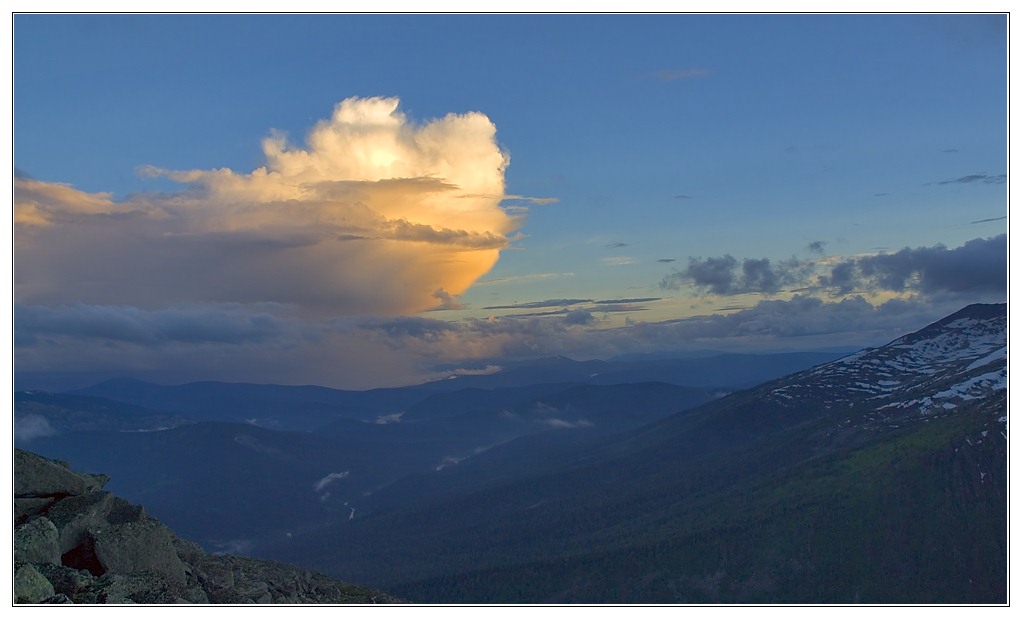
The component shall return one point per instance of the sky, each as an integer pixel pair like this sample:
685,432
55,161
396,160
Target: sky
362,201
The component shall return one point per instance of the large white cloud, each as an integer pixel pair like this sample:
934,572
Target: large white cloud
375,214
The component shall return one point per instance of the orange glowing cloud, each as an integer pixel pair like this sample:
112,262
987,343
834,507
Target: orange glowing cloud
375,214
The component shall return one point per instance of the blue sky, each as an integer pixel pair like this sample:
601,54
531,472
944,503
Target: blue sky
643,182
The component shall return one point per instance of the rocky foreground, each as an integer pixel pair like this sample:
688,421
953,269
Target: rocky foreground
75,543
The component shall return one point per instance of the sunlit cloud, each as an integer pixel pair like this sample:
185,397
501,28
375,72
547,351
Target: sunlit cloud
375,214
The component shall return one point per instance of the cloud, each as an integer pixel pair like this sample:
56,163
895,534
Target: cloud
367,352
725,275
616,244
579,317
373,215
630,300
546,303
447,302
817,247
978,266
998,179
990,219
31,426
531,277
183,324
531,199
618,261
670,75
559,423
329,478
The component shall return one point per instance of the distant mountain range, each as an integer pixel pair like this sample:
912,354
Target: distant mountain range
877,477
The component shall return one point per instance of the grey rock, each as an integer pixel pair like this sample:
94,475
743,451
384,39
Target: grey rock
76,543
144,545
57,599
37,542
78,585
35,476
29,585
27,507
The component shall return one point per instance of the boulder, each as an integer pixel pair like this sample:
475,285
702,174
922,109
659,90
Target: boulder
36,476
37,542
144,545
29,585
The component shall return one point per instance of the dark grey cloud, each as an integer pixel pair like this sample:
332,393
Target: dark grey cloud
616,244
817,247
978,266
990,219
579,317
409,327
715,274
725,275
682,197
758,275
667,260
976,178
188,324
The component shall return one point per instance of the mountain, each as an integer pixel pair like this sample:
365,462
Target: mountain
258,484
75,543
718,370
273,406
42,413
878,478
324,454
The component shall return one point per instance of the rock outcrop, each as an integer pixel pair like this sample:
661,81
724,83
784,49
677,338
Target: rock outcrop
75,543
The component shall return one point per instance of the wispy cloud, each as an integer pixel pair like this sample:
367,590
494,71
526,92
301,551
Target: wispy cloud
990,219
631,300
530,277
617,261
530,199
817,247
546,303
997,179
329,478
670,75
